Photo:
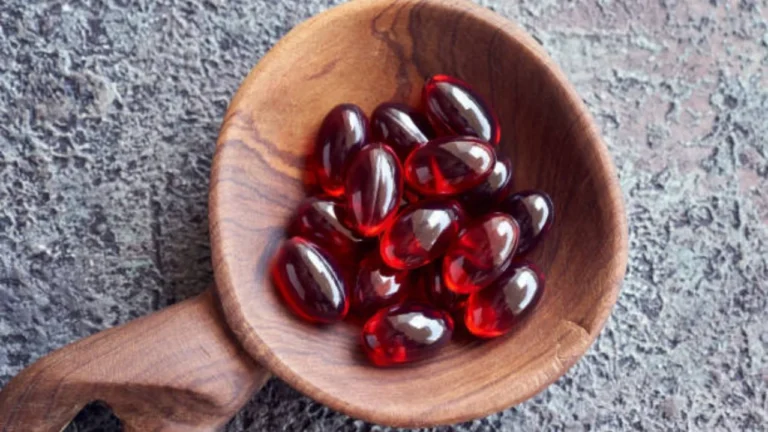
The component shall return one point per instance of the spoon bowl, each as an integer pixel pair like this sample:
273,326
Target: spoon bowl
367,53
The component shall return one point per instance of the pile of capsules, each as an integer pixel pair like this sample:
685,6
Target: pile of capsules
416,227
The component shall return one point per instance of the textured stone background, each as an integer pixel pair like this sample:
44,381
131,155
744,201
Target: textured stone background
108,115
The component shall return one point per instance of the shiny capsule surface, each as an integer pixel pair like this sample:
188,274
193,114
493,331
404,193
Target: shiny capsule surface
320,220
481,198
534,212
405,333
436,292
481,253
374,188
378,286
454,108
449,166
400,126
343,133
310,282
420,234
495,310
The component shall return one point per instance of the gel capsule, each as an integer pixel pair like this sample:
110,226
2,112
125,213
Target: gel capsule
343,133
310,282
481,253
378,286
454,108
401,127
437,293
405,333
449,165
374,188
320,220
420,234
496,309
534,212
480,199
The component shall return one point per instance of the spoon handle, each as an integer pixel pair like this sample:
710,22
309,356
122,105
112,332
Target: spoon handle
177,370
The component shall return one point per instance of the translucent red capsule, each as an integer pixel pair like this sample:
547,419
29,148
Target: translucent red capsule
436,292
420,234
480,199
453,107
498,308
449,165
400,126
481,253
378,286
374,188
310,281
405,333
534,212
343,133
320,220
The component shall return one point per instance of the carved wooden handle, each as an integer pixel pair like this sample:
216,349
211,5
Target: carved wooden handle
177,370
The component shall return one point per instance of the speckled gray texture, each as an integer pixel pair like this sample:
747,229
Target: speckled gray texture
108,116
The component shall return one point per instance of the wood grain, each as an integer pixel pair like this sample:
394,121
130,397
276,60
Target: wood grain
176,370
375,51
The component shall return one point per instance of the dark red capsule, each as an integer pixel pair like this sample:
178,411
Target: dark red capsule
420,234
481,253
480,199
343,133
310,281
449,165
320,220
400,126
437,293
498,308
406,333
534,212
374,188
454,108
378,286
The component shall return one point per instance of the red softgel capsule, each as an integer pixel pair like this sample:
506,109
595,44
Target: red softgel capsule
320,220
480,199
449,165
405,333
454,108
343,133
310,281
400,126
378,286
497,309
374,188
420,234
436,292
534,212
481,253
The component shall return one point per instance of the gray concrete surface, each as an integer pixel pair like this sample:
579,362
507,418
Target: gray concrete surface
108,115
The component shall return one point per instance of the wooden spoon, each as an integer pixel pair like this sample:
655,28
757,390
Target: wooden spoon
182,369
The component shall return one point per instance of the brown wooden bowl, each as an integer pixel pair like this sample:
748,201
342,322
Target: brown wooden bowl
185,369
369,52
